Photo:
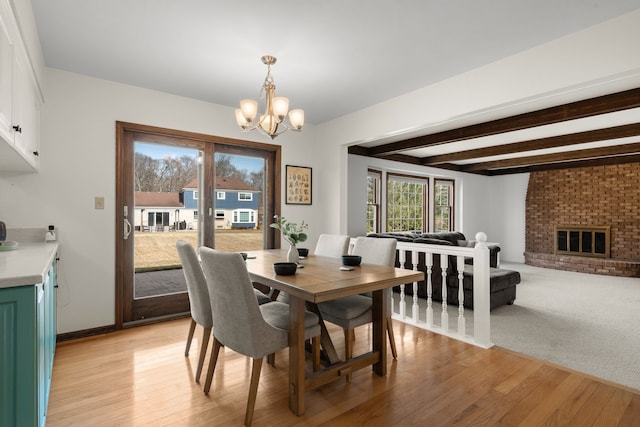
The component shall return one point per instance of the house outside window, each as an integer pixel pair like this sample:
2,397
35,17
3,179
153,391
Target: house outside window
220,195
443,205
406,203
245,196
373,201
240,216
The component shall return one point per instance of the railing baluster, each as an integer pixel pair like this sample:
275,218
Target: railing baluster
444,316
428,259
414,307
403,304
461,321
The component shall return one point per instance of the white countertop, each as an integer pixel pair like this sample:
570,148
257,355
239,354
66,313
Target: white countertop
26,265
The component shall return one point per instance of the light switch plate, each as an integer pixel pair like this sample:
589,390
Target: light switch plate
99,202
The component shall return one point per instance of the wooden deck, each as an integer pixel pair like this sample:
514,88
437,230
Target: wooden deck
140,377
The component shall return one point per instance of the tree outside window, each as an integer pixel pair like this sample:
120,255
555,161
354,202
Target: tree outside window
443,205
406,203
373,201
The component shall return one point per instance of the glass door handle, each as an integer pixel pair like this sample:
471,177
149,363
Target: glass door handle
127,228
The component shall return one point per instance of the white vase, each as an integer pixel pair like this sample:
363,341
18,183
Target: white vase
292,255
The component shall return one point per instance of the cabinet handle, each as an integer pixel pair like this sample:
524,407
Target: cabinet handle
35,153
17,128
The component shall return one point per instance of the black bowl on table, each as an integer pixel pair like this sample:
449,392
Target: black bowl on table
285,268
351,260
303,252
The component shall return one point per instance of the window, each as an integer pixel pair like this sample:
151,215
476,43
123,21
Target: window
220,195
443,205
406,203
245,196
195,195
219,214
373,201
240,216
195,215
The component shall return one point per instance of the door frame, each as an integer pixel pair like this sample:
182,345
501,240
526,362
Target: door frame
126,135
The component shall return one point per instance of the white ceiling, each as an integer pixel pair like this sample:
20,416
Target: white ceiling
334,56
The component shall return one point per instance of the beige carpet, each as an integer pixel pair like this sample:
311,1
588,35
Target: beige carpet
586,322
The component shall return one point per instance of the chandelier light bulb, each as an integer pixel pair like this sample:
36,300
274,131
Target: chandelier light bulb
249,109
296,118
280,107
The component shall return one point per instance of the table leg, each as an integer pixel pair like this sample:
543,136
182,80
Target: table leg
296,355
379,314
325,338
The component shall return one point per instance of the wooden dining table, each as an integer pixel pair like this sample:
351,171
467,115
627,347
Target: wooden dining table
321,279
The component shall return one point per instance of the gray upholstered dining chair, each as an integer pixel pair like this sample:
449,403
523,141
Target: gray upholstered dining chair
356,310
332,245
241,324
199,304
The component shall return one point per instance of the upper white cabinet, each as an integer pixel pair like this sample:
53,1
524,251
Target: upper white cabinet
26,117
19,100
6,82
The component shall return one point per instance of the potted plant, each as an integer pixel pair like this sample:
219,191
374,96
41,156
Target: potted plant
292,232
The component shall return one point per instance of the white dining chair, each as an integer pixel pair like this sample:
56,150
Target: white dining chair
242,325
332,245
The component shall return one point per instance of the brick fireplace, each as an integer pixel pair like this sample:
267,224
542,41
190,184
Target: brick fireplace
599,196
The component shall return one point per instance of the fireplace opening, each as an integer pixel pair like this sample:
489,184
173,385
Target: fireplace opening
592,241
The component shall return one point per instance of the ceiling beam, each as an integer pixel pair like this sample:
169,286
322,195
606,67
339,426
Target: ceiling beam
594,153
615,132
606,161
575,110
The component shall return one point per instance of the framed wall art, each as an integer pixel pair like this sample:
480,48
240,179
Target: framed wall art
298,185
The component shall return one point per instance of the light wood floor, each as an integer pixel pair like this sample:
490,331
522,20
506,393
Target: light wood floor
140,377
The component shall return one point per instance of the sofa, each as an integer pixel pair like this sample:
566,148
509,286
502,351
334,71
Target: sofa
502,282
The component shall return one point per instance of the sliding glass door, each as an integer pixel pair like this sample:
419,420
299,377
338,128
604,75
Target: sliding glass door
175,186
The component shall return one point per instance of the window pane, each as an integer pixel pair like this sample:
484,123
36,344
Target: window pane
574,241
405,204
586,241
562,241
443,201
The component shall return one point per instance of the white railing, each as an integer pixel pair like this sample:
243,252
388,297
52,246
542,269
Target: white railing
436,316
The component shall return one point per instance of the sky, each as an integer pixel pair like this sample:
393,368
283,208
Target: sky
158,151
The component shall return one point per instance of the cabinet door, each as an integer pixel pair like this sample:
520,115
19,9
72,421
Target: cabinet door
18,359
6,83
25,112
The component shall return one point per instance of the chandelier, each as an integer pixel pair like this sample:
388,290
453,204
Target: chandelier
272,122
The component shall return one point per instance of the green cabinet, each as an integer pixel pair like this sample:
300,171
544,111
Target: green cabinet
27,346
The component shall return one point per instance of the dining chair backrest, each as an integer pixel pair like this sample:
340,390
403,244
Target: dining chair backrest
377,251
237,320
199,301
332,245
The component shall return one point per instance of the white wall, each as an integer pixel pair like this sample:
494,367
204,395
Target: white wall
507,197
78,150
